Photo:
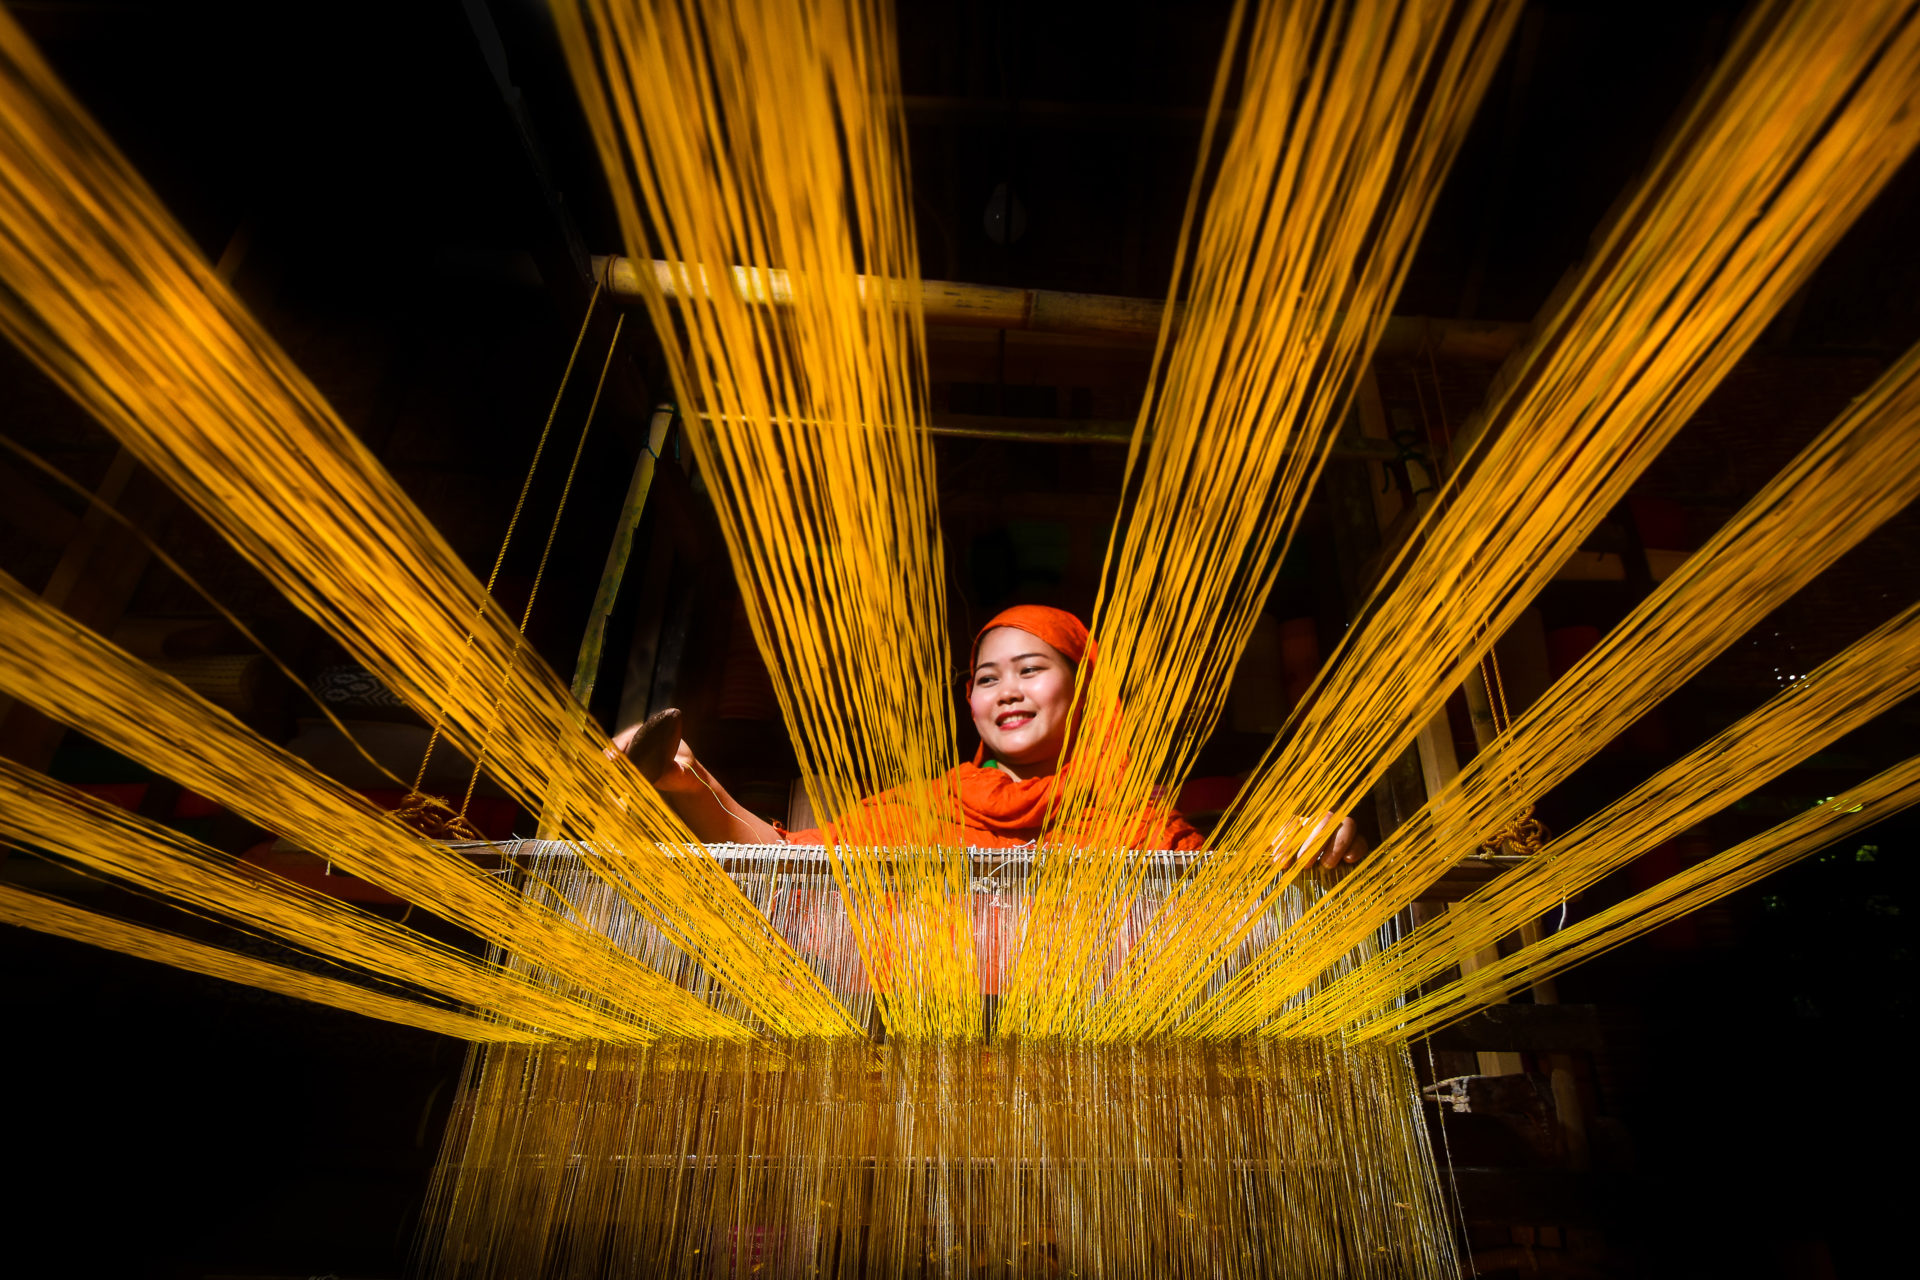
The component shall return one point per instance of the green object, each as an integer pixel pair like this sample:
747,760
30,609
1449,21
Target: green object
586,668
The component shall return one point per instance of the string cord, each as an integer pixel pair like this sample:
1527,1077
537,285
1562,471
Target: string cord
173,566
513,522
553,531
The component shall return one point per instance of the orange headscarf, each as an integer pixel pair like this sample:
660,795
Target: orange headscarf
995,808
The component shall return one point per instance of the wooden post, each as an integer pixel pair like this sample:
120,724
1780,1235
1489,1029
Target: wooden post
1493,1062
1567,1102
1439,762
1434,744
586,667
1356,535
1524,676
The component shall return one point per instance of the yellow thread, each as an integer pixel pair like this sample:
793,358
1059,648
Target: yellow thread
553,529
45,815
205,399
50,915
519,504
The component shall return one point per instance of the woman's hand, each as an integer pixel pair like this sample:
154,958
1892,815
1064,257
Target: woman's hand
1331,839
656,749
683,782
681,773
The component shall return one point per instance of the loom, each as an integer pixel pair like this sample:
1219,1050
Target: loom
898,1055
884,1156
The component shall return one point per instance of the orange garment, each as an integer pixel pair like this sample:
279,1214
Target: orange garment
996,809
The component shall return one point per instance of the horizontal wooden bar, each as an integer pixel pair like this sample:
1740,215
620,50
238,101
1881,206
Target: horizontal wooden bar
1467,874
1103,431
990,306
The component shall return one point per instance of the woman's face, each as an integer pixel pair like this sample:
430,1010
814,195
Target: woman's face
1020,692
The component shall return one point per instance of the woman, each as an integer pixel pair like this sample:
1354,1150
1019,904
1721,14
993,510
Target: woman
1020,684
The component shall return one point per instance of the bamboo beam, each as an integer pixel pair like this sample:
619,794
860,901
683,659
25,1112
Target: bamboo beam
1102,431
1097,315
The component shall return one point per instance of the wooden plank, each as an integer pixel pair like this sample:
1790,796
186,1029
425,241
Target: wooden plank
1467,876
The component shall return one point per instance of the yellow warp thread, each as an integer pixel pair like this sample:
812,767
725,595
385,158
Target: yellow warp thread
813,409
79,679
427,804
47,816
1809,114
202,396
64,920
1860,471
1871,675
1349,118
768,134
1874,800
1113,1132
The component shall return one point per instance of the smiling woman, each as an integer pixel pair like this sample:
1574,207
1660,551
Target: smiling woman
1021,677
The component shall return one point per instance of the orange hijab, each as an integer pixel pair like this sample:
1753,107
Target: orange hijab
995,808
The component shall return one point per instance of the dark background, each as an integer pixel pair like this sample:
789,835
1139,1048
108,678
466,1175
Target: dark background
406,191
